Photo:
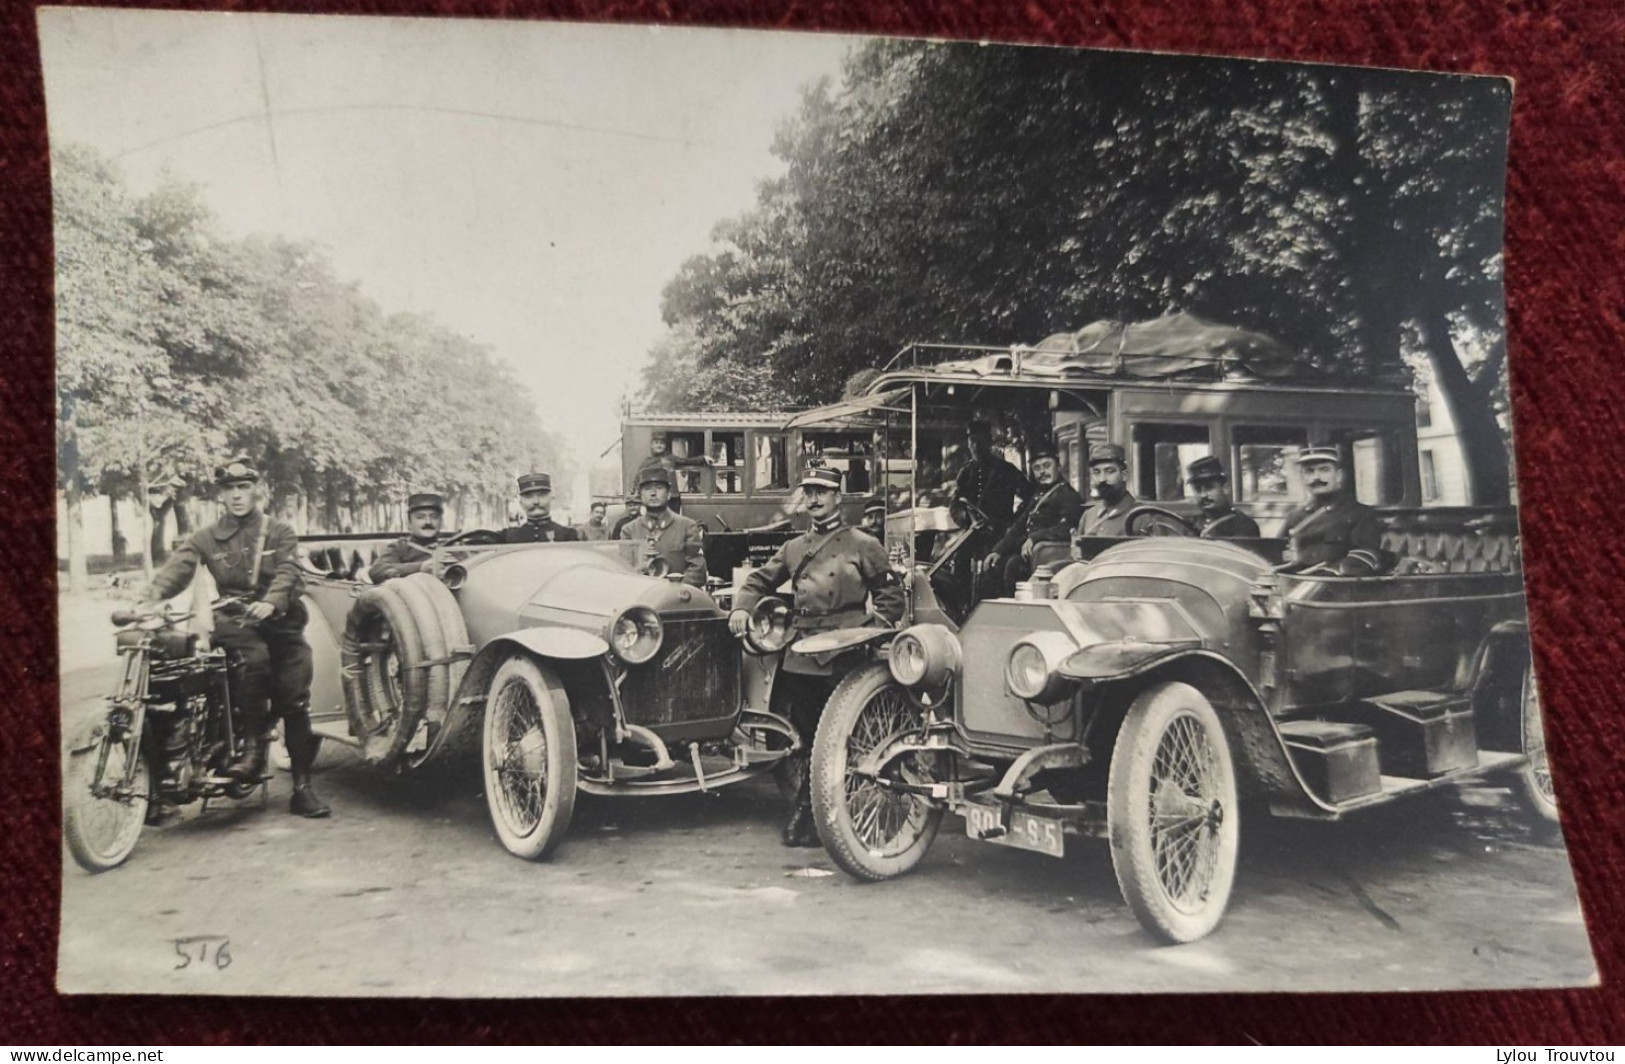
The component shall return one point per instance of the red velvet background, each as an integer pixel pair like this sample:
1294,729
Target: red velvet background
1566,297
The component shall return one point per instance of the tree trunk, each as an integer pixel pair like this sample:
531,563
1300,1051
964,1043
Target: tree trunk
78,572
1483,446
115,529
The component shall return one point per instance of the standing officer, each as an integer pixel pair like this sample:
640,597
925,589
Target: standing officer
410,554
162,499
634,507
988,481
536,496
677,542
254,556
1048,518
840,579
1108,478
1220,518
660,455
1332,529
594,529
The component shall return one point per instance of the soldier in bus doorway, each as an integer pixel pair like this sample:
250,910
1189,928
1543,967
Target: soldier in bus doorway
660,456
840,579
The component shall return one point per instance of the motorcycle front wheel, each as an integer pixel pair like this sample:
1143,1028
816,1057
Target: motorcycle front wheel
102,830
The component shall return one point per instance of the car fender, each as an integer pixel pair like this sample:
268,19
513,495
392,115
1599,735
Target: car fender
565,644
837,640
1120,659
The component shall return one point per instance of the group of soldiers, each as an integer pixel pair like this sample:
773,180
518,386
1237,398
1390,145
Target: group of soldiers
1330,531
839,576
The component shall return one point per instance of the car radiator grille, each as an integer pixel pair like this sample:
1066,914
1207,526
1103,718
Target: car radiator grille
694,678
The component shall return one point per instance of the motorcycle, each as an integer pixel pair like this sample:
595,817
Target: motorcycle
169,733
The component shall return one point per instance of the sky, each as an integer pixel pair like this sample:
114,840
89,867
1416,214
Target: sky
532,186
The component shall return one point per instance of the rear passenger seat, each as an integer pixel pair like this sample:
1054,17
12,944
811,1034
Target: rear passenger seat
1454,540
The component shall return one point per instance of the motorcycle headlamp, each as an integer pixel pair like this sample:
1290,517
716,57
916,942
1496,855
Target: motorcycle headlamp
926,655
1032,671
770,627
635,635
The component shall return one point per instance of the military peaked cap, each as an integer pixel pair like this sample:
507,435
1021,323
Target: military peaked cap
535,482
238,470
1204,468
425,500
654,473
818,477
875,503
1045,448
1107,452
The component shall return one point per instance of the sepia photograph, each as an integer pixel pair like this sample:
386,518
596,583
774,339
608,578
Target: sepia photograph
559,510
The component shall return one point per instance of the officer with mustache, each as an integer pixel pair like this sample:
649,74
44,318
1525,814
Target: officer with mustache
1108,477
411,554
1332,532
1220,518
840,579
1048,518
536,496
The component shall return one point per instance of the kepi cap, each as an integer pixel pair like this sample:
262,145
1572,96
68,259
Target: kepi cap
535,482
1204,468
425,500
819,477
1107,452
1319,454
238,470
1045,448
874,503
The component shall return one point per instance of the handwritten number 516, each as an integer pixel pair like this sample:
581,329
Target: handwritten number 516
203,950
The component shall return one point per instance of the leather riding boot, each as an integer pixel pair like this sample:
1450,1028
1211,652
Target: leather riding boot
301,755
799,827
250,767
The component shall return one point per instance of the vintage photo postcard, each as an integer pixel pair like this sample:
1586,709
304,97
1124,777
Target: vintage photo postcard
561,510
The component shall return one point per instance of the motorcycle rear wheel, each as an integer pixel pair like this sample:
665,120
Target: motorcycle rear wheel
102,832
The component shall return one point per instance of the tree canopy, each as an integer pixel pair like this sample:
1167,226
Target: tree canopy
177,345
994,195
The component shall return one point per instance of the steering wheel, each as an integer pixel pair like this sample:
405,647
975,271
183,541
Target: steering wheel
475,537
1155,521
967,514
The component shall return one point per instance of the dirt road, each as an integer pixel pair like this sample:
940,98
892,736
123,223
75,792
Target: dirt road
407,892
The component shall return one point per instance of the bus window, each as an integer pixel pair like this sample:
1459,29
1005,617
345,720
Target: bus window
772,471
1379,477
1264,470
690,481
1159,455
686,445
849,453
728,462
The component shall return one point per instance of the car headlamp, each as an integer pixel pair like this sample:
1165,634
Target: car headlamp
770,627
635,635
1032,671
926,655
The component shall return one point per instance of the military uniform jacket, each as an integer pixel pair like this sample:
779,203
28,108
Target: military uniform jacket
591,533
1103,520
548,531
226,548
678,540
1323,532
833,576
1230,524
403,557
1050,518
993,485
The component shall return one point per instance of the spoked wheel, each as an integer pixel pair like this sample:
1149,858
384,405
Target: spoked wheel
872,831
1171,813
530,758
1533,784
102,829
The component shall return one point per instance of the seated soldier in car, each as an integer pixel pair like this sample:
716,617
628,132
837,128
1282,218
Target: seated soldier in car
1332,532
255,558
1220,519
839,578
874,517
671,543
1047,518
411,553
1108,478
536,496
